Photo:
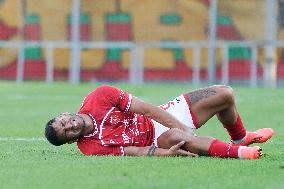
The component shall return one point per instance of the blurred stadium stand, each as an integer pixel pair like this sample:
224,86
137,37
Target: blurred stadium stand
172,34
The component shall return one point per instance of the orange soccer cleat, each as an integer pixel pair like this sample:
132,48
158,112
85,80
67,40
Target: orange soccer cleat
258,136
254,152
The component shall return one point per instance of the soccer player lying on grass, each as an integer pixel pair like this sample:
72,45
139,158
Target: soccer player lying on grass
113,122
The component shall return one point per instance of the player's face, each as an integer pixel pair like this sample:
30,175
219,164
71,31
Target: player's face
69,127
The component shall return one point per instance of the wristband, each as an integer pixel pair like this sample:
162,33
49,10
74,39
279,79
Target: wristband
228,150
151,150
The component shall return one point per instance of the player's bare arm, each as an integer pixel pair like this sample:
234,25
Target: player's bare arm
174,150
140,107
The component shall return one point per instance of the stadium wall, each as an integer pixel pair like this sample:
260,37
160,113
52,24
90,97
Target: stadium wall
137,22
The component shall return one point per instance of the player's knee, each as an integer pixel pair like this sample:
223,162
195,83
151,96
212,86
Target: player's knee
226,93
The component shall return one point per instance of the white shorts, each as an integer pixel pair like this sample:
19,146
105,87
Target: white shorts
180,109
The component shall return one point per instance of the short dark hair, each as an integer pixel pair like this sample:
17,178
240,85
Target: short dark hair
50,133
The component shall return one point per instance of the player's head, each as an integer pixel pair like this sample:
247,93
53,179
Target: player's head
65,128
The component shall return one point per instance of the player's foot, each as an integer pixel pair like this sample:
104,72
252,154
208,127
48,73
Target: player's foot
254,152
258,136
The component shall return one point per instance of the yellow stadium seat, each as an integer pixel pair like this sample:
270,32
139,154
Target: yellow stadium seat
158,59
154,59
90,59
248,17
148,28
61,59
53,17
97,10
125,59
8,16
7,56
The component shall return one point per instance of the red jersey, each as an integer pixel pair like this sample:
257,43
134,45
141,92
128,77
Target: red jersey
114,126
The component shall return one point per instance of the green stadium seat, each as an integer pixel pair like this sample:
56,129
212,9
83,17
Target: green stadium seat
32,19
85,27
178,54
118,26
32,32
32,27
170,19
33,53
118,17
84,19
113,54
239,53
224,20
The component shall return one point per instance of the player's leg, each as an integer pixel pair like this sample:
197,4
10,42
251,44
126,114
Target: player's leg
220,101
210,101
207,146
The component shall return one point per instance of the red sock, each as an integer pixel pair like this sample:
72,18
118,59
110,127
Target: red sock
223,150
236,131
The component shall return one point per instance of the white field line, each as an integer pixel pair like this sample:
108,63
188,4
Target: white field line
21,139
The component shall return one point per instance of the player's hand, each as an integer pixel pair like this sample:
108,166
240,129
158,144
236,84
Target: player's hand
176,150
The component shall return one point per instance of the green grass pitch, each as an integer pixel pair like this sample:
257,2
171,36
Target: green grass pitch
25,108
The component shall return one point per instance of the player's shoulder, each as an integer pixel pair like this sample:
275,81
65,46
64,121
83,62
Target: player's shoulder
105,88
100,90
104,92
